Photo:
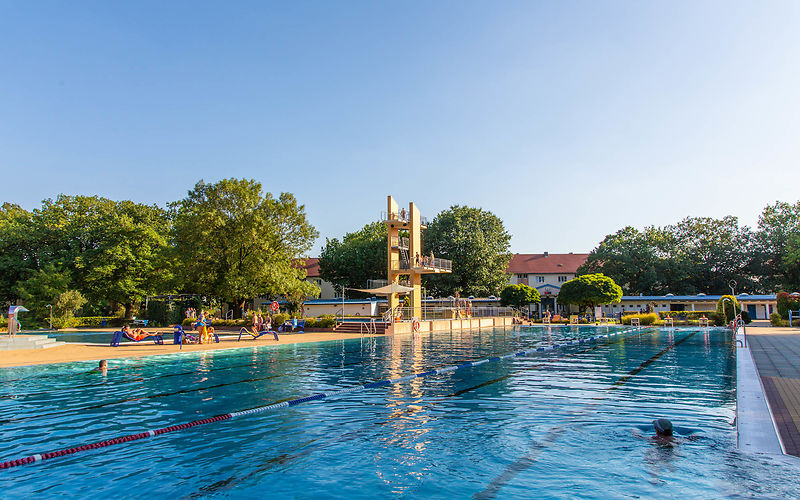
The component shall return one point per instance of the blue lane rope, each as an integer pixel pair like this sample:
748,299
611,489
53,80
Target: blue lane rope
294,402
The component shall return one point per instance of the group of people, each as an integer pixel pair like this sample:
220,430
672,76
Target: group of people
191,312
424,261
261,323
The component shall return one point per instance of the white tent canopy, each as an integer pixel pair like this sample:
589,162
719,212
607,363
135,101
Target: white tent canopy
387,290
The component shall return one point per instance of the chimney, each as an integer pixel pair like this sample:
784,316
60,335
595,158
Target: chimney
547,254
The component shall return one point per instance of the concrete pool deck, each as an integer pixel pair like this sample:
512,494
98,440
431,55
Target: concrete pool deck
70,352
776,356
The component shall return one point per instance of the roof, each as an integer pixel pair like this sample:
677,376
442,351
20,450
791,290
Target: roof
546,263
311,266
695,298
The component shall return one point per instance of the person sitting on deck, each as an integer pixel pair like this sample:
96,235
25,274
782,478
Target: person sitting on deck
136,334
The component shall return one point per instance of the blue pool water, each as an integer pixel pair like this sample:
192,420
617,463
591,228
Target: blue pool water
562,424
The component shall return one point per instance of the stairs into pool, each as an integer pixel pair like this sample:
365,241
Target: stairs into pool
19,342
356,327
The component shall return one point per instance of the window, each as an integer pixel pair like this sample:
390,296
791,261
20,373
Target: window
540,279
562,279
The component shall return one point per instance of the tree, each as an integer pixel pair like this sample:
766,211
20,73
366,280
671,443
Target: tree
590,290
17,245
519,296
115,251
235,242
787,302
778,246
695,255
729,306
358,257
43,288
633,259
477,243
711,252
65,306
132,260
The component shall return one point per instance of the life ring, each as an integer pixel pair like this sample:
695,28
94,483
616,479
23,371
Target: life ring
415,325
274,306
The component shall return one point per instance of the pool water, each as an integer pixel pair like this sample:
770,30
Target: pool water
573,422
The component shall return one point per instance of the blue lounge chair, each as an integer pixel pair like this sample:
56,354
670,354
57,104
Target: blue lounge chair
117,338
180,337
254,336
293,326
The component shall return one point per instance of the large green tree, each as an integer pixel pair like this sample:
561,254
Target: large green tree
590,290
114,251
697,254
778,246
132,260
711,252
358,257
18,258
477,243
633,258
235,242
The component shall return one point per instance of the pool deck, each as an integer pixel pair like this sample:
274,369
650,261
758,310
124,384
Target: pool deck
88,352
776,354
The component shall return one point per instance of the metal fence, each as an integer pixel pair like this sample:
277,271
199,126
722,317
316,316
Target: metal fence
430,313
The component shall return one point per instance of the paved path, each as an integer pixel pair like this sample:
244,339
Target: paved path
776,352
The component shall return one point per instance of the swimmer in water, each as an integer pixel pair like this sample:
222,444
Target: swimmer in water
102,367
664,434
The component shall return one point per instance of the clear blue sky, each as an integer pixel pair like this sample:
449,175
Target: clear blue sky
569,120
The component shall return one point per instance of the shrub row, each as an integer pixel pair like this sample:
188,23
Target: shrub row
645,319
277,320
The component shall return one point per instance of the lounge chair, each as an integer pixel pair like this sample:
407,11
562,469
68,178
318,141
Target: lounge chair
117,338
256,335
293,326
180,336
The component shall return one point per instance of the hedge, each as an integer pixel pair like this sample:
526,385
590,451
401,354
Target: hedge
692,317
645,319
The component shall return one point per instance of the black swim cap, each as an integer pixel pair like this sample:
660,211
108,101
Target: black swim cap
663,426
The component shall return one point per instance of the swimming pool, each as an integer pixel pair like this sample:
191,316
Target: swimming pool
556,424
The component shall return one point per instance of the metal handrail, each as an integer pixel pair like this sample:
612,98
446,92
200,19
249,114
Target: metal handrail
402,216
430,313
401,242
424,263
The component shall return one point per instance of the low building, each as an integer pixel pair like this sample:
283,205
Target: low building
757,306
352,307
545,272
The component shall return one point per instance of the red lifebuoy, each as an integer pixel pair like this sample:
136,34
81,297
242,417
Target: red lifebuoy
274,306
415,325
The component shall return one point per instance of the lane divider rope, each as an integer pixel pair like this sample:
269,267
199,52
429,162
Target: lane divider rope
294,402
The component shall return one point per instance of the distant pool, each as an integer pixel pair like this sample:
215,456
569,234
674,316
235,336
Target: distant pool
83,336
559,424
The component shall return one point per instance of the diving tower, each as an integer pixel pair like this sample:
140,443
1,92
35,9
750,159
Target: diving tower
405,257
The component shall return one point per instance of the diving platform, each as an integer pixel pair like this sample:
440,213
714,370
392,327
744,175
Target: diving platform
406,260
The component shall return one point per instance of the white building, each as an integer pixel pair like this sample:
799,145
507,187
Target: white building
757,306
545,272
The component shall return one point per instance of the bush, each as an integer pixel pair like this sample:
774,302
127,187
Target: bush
730,306
746,317
279,319
776,320
645,319
693,317
787,303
